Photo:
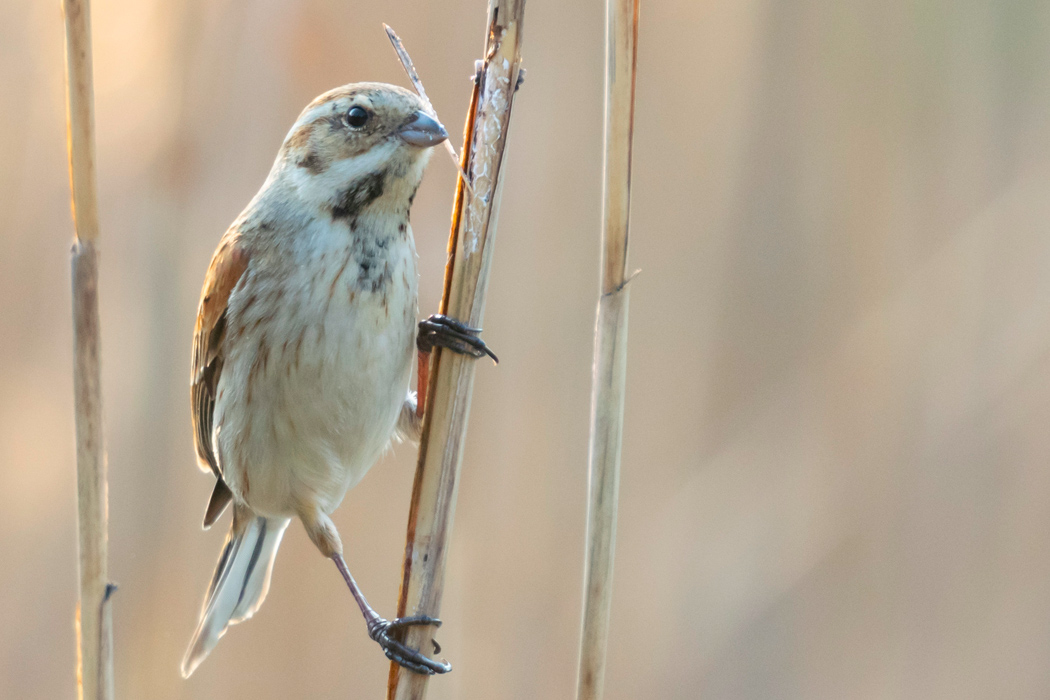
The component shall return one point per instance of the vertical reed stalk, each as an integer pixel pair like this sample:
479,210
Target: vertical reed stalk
94,622
474,216
610,346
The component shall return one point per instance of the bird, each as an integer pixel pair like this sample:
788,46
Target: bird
303,346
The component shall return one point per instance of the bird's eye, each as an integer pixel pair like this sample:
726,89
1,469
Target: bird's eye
357,117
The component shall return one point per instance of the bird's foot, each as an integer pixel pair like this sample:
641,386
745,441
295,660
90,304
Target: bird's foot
386,633
442,331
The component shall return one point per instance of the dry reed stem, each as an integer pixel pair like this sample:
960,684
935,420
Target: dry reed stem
93,619
610,347
452,377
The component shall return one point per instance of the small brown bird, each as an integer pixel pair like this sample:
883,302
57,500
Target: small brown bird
303,347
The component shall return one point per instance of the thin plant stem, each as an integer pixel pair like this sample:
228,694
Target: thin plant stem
610,348
474,217
94,620
413,77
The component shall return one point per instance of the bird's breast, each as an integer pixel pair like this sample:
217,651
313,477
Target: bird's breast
319,365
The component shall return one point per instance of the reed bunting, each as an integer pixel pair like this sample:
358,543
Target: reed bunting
304,342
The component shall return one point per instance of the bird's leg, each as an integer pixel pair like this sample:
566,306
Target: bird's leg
321,530
384,632
445,332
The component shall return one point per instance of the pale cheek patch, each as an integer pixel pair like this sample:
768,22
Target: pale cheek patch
325,189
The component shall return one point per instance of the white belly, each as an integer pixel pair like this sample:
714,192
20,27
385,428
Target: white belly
316,373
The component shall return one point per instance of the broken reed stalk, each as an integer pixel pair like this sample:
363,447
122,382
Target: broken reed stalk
413,77
474,217
610,347
94,621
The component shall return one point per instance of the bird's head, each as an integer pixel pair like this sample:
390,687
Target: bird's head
360,146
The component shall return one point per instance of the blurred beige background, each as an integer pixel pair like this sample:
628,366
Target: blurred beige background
835,479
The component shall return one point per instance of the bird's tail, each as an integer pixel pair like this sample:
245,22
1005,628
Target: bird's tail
240,582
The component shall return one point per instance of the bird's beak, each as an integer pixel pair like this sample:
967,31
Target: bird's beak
423,131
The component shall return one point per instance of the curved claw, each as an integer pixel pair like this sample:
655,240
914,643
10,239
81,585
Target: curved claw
381,632
439,330
402,622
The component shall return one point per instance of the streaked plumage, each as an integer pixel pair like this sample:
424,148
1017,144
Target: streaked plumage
305,336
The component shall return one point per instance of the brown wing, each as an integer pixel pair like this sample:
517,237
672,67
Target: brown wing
227,267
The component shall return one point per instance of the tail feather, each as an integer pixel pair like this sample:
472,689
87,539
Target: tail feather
240,582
